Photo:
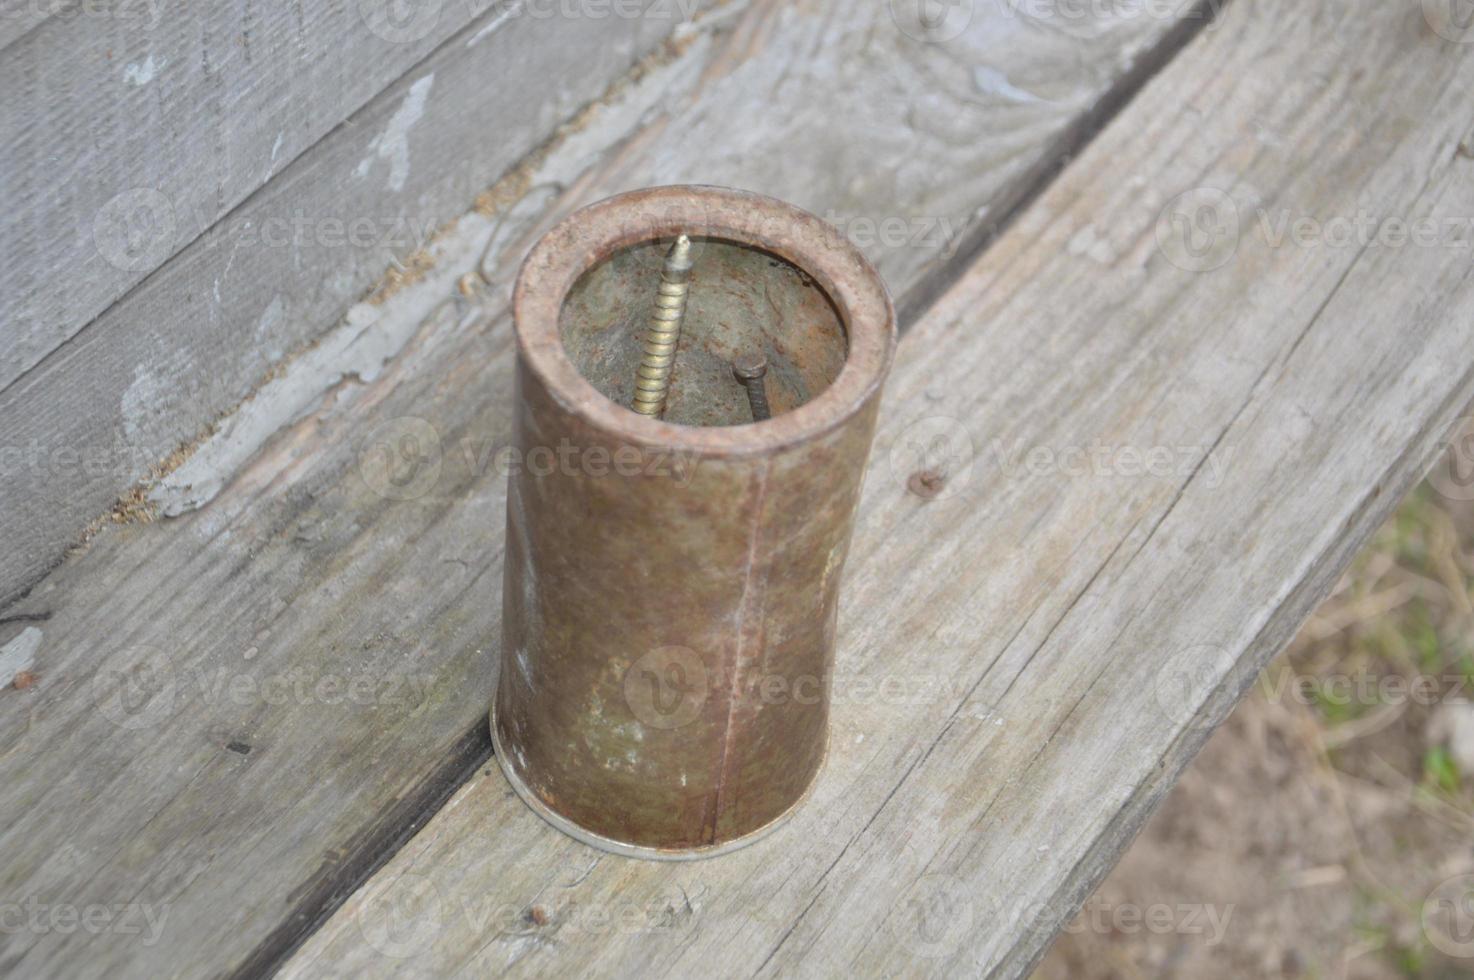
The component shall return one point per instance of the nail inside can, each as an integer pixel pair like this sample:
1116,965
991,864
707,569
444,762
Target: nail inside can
742,302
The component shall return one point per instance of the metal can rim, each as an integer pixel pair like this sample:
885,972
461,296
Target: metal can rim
593,233
569,828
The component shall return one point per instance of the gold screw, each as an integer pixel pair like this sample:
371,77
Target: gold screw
749,369
652,381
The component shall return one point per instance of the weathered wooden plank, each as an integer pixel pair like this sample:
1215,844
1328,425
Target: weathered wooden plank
243,802
196,336
1165,450
168,358
130,130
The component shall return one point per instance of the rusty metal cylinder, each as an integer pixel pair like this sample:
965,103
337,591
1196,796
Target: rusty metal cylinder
672,584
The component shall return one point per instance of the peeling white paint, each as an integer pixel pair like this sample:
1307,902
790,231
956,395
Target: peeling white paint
369,335
991,81
276,147
140,73
19,654
510,11
1091,245
136,401
270,318
393,143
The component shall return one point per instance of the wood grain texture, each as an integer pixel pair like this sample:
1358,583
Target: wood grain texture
1032,657
912,176
196,742
195,338
131,129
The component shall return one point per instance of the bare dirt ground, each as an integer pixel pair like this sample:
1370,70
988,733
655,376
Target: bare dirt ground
1326,829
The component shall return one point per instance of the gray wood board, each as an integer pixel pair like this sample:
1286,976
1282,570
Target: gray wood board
1028,661
194,339
131,129
245,803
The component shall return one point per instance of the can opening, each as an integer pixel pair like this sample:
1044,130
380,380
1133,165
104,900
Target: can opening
742,301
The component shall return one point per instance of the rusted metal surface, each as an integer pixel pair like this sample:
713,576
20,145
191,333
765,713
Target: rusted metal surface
671,590
749,369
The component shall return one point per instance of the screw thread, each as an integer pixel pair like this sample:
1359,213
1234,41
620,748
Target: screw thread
757,399
750,369
652,379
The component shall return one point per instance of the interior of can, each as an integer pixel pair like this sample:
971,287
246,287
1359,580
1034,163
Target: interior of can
741,301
